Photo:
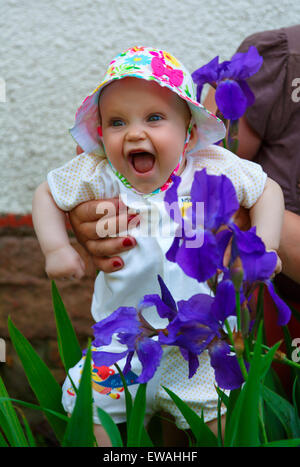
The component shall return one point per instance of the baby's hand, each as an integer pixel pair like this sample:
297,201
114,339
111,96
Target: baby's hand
64,263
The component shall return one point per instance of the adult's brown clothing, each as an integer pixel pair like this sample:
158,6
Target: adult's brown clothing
275,116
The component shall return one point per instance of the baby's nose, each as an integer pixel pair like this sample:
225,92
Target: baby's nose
135,132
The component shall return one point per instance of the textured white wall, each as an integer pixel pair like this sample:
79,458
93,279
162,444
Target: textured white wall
53,53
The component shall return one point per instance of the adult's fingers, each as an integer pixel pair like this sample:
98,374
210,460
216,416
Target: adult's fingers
108,264
109,246
119,224
93,210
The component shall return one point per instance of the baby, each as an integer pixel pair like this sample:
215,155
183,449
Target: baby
140,126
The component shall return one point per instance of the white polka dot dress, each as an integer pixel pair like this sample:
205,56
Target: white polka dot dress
86,177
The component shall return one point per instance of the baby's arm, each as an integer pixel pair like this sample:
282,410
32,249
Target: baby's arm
267,215
62,260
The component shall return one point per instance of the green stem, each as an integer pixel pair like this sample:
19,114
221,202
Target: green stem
247,350
284,360
259,310
238,356
238,310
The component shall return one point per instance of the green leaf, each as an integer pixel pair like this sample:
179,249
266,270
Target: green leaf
259,313
224,398
274,428
68,344
232,400
30,437
111,428
296,394
9,421
80,427
35,407
145,438
204,436
3,443
146,441
128,398
267,359
243,426
289,443
136,421
47,390
286,413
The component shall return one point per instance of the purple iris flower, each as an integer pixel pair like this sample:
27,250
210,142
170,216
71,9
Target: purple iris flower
195,246
198,325
258,266
219,199
233,95
133,331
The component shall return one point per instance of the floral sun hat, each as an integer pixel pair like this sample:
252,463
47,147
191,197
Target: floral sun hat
152,65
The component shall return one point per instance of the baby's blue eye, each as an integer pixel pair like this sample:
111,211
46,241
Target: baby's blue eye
154,118
117,123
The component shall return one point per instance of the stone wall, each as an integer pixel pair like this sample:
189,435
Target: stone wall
25,296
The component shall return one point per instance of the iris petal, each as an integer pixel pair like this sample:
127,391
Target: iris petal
149,353
199,263
246,64
172,252
154,300
230,99
198,307
258,264
247,92
171,201
193,361
107,358
227,370
224,303
207,73
218,195
284,312
166,295
124,319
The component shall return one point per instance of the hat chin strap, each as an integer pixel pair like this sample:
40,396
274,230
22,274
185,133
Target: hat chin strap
168,182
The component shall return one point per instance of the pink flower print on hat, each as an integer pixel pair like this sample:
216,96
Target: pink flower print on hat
160,68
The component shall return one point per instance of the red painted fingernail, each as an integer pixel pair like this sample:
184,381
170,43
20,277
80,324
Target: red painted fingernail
131,217
127,242
117,264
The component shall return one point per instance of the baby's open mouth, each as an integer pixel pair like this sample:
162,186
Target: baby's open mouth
142,161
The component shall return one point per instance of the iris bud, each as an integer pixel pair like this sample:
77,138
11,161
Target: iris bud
238,343
237,273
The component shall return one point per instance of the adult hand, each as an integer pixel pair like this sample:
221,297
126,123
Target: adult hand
93,216
86,221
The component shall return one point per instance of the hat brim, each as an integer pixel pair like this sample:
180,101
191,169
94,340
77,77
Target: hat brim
210,129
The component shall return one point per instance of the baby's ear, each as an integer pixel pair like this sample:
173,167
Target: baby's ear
193,138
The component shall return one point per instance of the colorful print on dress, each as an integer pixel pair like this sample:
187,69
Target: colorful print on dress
106,381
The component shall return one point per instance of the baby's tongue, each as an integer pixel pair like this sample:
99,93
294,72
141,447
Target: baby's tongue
143,162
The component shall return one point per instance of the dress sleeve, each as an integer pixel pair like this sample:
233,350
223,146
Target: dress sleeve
269,114
249,180
79,180
247,177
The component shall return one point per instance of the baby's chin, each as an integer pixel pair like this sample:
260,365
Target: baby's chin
146,187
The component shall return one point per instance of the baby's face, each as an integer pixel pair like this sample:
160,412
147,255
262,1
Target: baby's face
144,128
